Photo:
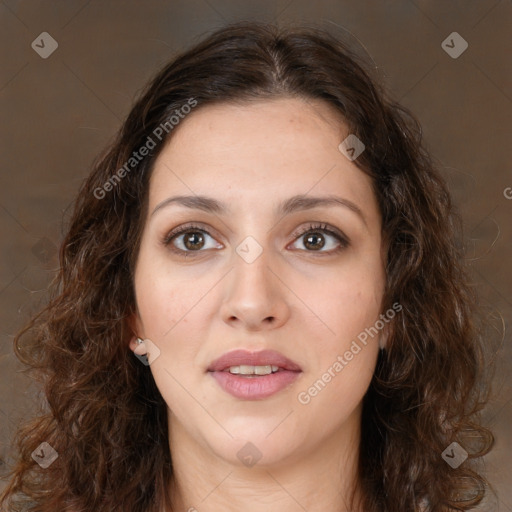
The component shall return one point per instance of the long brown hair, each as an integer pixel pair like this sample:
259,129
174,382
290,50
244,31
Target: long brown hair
104,415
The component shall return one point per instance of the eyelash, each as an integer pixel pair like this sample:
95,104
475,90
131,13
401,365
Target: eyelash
312,227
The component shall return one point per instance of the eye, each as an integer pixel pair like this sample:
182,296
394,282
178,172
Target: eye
321,238
193,238
190,238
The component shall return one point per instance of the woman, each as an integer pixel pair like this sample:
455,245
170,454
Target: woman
261,304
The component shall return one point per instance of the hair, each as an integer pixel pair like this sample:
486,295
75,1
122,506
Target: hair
103,413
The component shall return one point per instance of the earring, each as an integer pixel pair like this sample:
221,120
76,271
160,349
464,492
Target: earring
141,348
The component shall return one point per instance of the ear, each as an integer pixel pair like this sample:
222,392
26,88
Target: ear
139,347
383,337
135,327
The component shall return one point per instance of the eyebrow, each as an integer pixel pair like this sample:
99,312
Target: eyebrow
291,205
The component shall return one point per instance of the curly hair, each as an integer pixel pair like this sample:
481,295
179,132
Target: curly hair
103,413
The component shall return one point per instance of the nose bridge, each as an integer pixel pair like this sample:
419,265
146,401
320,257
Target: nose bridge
255,296
251,272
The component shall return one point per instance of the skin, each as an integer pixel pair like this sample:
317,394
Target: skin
309,304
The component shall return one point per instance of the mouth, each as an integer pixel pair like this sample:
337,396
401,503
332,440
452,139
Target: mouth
254,375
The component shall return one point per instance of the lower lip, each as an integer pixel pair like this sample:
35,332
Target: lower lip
254,388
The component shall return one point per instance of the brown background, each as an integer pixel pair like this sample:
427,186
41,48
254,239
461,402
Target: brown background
59,112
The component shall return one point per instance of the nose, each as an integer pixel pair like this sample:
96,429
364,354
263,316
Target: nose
255,296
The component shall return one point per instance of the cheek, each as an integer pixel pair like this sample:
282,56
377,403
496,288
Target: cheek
164,298
172,317
175,312
343,361
347,302
350,306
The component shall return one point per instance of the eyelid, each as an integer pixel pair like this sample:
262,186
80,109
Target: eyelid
324,227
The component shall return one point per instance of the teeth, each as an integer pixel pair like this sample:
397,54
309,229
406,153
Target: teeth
245,369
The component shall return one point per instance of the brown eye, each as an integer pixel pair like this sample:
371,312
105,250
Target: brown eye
193,240
322,239
189,240
314,240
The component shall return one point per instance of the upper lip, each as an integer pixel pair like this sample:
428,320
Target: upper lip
261,358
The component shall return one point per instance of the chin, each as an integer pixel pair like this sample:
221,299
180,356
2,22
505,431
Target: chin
255,442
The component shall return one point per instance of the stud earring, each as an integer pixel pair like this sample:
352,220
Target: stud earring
141,348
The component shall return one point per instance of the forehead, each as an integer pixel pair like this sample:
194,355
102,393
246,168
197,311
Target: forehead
256,150
223,127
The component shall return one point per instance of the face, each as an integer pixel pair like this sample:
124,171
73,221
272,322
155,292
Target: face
257,259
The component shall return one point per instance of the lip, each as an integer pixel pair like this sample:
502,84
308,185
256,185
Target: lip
262,358
254,387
